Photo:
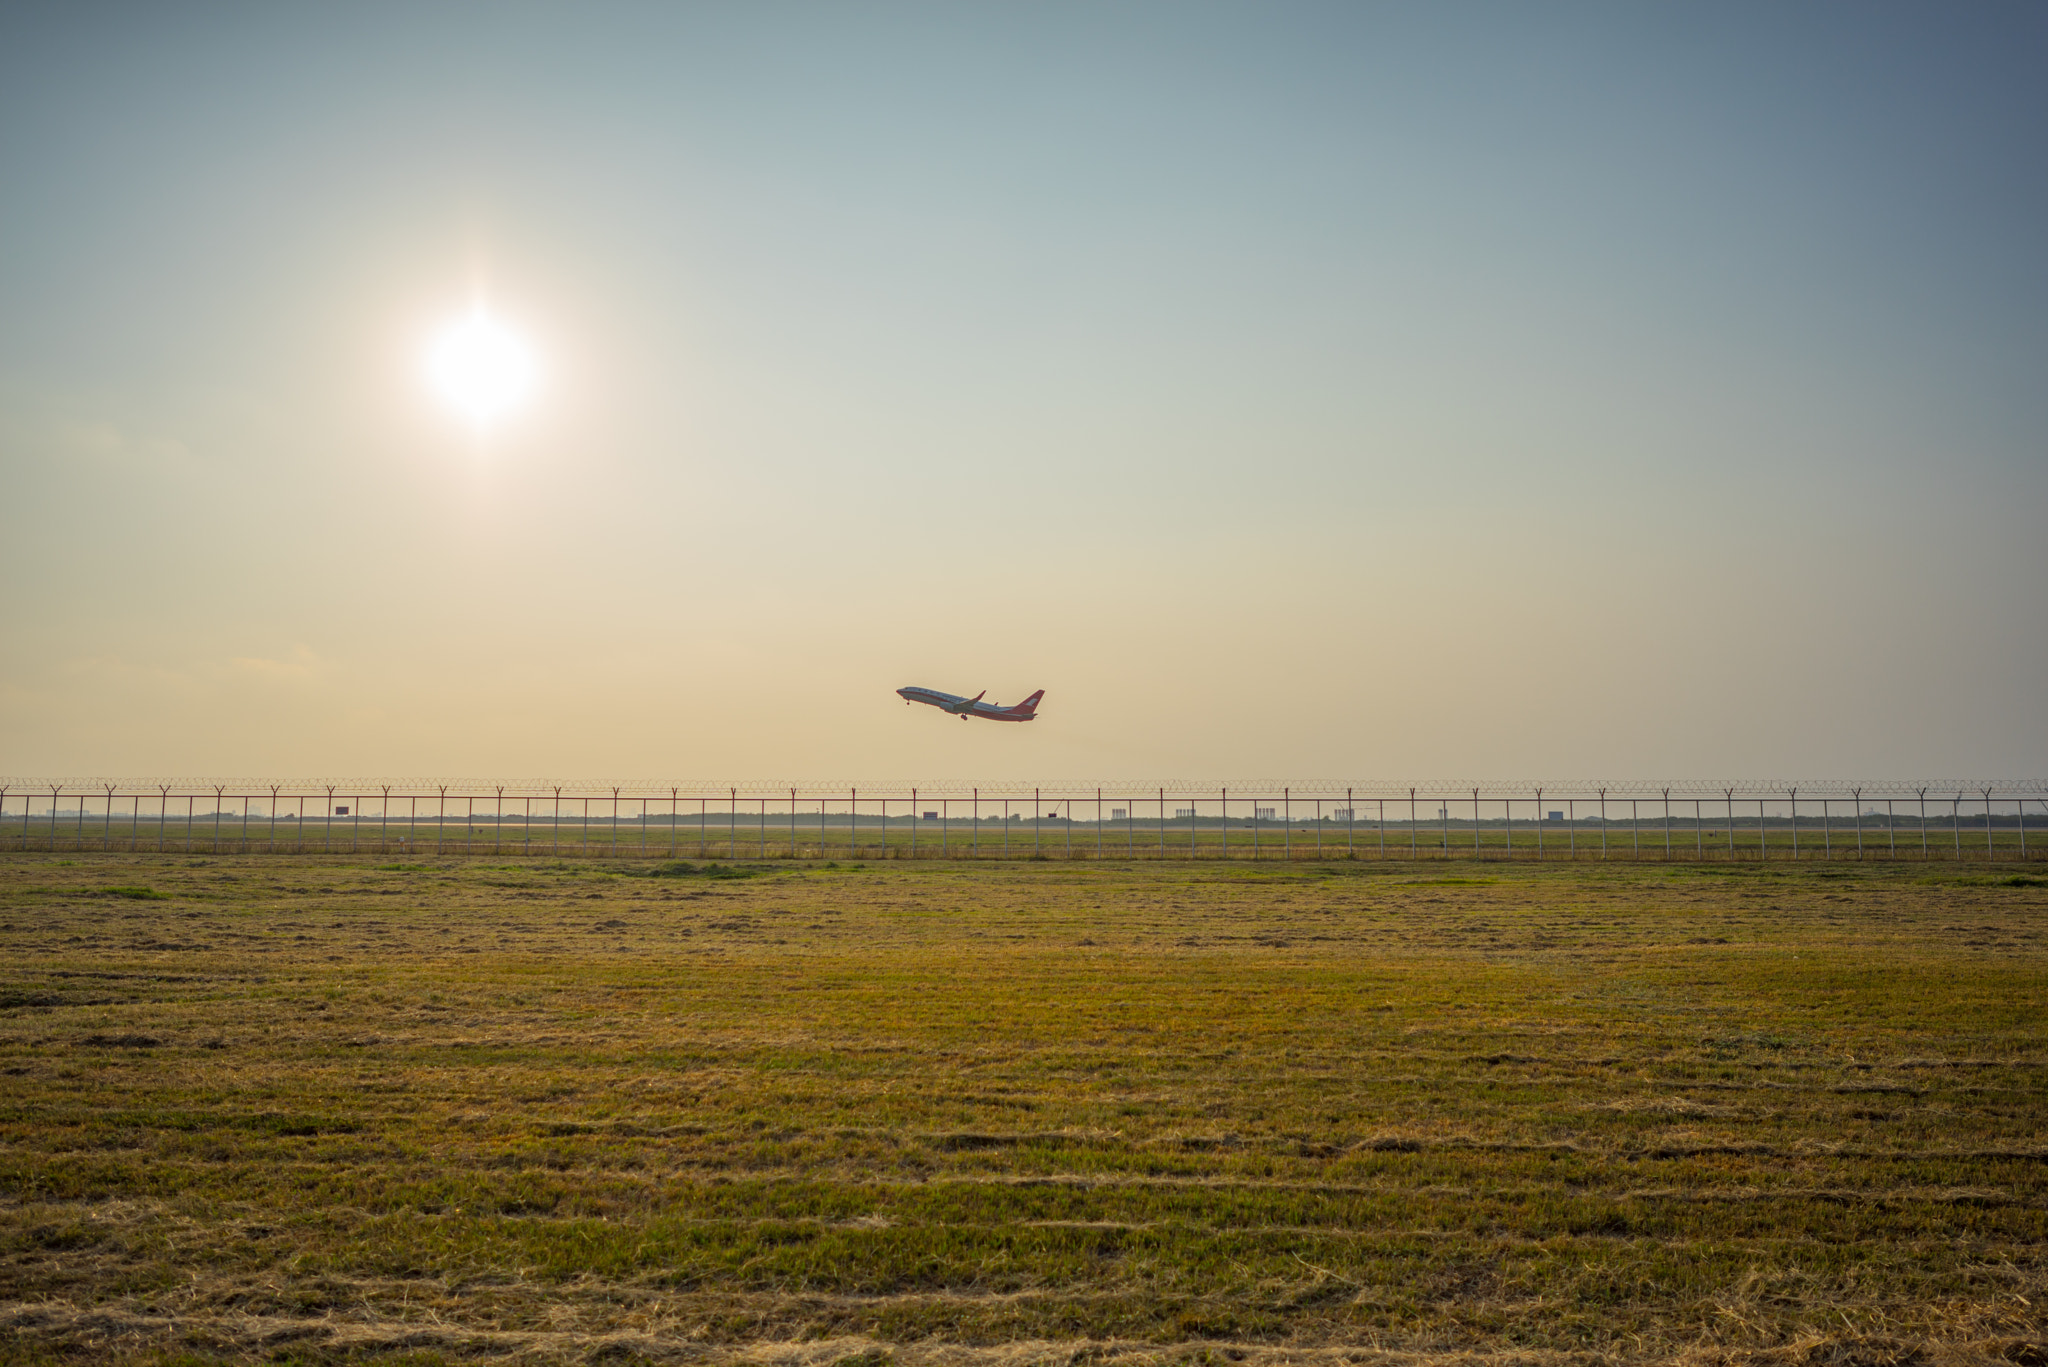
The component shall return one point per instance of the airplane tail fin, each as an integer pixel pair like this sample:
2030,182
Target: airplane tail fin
1030,704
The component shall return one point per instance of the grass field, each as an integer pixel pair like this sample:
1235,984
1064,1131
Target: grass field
1636,831
331,1109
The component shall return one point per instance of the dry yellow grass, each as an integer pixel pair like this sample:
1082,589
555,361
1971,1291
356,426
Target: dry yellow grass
319,1110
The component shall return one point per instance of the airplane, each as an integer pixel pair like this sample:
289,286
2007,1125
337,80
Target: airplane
963,708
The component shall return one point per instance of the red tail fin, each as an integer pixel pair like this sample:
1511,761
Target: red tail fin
1030,704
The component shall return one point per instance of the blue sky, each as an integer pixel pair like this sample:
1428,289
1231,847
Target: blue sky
1291,390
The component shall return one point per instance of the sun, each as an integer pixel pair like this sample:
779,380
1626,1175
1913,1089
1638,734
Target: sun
482,369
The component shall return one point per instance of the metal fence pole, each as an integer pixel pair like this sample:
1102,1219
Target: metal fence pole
1699,833
1827,833
1098,823
1571,828
1667,825
1763,851
946,820
1731,821
1792,801
1070,828
915,817
1475,823
1603,823
1037,815
1540,817
1411,824
1319,828
1162,823
974,846
1383,826
1350,826
1987,826
1955,814
1891,828
1286,825
1635,828
852,823
1856,800
1223,821
2022,804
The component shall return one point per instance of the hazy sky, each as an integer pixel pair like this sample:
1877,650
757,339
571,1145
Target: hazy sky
1289,390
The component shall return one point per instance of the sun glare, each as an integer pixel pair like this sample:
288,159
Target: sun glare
482,369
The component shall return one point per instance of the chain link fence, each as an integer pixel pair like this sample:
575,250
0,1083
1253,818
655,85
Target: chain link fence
1699,821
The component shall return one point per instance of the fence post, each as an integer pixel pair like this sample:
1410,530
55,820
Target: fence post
2022,804
1603,823
1383,827
974,844
1411,823
1667,825
1475,823
1350,826
1955,821
1827,833
1223,821
1286,826
915,817
1699,833
1162,824
1098,823
1540,817
1037,813
852,823
1635,827
1856,798
1792,799
1987,826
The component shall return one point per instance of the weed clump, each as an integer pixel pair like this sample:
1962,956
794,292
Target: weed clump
683,868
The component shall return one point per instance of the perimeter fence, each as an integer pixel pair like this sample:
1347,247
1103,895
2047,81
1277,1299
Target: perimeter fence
1748,821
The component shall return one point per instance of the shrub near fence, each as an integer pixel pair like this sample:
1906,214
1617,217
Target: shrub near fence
1731,822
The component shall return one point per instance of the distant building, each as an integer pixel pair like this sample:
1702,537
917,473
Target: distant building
1118,813
1263,813
931,816
1342,814
1556,816
1184,813
341,811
